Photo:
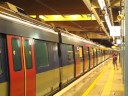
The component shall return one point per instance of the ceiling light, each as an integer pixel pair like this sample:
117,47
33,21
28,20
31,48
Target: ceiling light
107,19
75,17
102,4
33,16
42,17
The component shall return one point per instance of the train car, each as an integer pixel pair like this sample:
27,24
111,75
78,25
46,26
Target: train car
29,57
77,56
36,60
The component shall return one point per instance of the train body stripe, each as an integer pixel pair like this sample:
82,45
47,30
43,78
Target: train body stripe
4,89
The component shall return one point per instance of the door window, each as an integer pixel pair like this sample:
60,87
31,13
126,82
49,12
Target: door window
16,54
28,54
70,54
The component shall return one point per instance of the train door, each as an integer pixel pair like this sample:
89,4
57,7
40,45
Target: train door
91,57
29,66
98,52
21,66
94,56
79,60
86,59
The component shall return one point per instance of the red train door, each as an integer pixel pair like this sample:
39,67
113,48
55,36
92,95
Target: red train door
29,62
78,66
16,66
21,66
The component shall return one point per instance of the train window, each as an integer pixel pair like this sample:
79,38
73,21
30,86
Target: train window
81,53
70,54
16,54
98,52
67,54
28,56
86,59
91,57
41,54
86,52
0,64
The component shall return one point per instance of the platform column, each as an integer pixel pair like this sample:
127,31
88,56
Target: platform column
126,49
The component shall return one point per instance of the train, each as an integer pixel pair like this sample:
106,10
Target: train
37,59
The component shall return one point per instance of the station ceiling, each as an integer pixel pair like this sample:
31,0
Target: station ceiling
87,28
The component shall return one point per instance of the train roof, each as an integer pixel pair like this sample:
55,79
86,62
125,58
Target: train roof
18,24
78,38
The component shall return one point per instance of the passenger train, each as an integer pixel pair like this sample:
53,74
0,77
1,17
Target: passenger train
39,60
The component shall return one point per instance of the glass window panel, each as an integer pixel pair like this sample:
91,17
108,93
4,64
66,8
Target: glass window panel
81,53
28,54
70,54
86,59
41,54
16,54
91,57
86,53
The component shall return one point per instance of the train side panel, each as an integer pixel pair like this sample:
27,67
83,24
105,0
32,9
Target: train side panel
86,59
91,58
4,84
67,67
29,64
79,60
16,66
47,66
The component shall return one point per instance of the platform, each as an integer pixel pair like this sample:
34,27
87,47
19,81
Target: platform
103,80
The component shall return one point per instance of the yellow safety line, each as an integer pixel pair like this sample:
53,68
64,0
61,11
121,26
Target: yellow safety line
107,88
94,82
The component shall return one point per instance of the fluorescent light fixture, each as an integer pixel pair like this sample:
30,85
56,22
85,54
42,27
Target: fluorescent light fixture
75,17
33,16
113,47
107,19
42,17
102,4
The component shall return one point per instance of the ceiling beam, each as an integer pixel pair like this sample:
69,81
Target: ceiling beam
110,11
88,4
92,35
115,3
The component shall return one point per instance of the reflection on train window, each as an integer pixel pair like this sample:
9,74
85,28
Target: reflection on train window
94,52
86,52
98,52
41,54
70,54
16,54
81,53
0,63
86,60
28,54
91,57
